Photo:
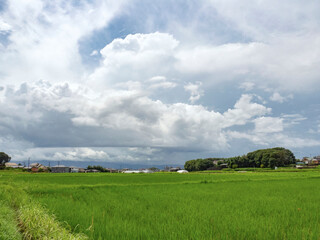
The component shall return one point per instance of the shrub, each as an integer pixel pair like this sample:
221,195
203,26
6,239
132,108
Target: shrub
234,166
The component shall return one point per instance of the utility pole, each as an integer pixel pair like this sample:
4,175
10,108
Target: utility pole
28,162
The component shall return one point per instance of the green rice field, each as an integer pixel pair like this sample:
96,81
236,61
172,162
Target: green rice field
223,205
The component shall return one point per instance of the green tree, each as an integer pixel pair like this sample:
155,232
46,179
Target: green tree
190,165
204,164
98,167
4,158
155,169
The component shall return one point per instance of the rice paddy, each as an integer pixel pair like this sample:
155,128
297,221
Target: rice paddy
250,205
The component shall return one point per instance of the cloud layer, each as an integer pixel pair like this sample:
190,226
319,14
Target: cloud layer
74,86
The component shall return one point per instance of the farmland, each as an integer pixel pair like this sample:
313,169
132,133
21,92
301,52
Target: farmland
235,205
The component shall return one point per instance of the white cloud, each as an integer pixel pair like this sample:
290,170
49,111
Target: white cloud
293,119
244,110
247,86
268,125
123,101
160,82
81,154
94,53
44,38
236,59
4,27
294,68
195,91
276,97
274,139
116,118
263,20
157,79
137,57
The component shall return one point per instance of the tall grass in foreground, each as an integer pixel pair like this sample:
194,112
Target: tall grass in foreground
8,223
20,214
194,206
36,223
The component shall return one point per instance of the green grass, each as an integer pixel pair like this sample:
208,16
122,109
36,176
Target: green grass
8,223
23,218
230,205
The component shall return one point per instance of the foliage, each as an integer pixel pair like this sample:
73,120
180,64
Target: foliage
98,167
198,165
263,158
155,169
271,157
4,158
234,166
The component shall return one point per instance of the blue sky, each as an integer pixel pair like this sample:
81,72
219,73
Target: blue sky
158,82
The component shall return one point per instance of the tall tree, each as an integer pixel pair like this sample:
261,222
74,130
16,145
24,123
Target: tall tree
4,158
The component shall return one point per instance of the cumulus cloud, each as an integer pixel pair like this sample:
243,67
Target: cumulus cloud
81,153
137,57
276,97
265,20
294,68
293,119
4,27
44,37
275,139
268,125
160,82
94,53
247,86
135,98
244,110
63,115
195,91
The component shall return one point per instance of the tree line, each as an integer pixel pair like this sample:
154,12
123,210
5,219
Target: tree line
263,158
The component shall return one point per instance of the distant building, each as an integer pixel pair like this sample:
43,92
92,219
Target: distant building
132,171
74,169
182,171
92,171
60,169
307,160
174,169
147,171
224,165
11,165
36,167
311,161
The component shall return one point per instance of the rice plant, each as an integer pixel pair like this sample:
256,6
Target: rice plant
230,205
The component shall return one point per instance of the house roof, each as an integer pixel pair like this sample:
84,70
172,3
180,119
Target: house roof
8,164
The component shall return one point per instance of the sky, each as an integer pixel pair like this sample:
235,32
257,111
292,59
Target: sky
158,82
